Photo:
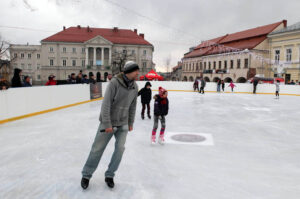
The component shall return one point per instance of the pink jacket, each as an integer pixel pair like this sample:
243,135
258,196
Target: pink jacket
231,85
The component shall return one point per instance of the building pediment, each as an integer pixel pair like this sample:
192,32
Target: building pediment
98,40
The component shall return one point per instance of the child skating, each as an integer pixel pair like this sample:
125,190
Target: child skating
277,84
146,95
161,108
232,85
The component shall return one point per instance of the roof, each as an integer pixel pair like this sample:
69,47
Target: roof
83,34
247,39
290,28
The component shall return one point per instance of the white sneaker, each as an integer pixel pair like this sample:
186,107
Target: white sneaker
161,139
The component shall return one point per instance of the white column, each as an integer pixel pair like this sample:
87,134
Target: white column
102,55
94,56
86,56
109,57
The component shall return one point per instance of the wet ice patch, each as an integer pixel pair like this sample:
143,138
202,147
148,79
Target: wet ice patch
189,138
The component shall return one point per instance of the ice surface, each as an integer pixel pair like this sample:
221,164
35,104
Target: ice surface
256,152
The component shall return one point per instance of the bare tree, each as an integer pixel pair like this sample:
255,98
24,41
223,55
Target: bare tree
119,60
4,46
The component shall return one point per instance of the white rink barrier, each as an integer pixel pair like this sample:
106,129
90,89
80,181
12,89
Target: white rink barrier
16,102
212,87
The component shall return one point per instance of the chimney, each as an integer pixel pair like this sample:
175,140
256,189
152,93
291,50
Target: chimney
64,28
78,26
135,31
142,35
284,23
115,29
88,29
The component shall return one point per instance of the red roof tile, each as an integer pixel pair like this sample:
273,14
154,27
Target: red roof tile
247,39
81,35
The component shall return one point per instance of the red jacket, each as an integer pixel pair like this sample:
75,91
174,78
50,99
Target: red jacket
51,83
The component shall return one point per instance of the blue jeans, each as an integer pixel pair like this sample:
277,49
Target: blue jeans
99,145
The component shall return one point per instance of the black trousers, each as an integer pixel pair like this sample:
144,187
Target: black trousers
254,89
144,107
201,90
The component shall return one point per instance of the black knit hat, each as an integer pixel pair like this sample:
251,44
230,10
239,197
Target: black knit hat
130,66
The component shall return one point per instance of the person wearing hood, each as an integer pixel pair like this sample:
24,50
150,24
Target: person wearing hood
161,109
146,95
16,80
27,82
51,81
116,119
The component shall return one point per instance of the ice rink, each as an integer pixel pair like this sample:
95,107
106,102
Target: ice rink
254,152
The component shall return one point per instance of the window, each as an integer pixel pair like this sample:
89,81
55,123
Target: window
38,56
204,65
64,49
220,64
144,64
277,56
289,55
83,63
83,50
215,65
145,52
238,63
209,66
22,66
38,66
38,77
51,62
201,67
29,66
15,55
22,55
29,56
197,67
64,62
51,49
246,63
225,64
73,62
91,63
74,50
231,64
133,52
124,51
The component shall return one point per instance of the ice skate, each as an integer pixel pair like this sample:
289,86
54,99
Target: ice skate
153,139
161,140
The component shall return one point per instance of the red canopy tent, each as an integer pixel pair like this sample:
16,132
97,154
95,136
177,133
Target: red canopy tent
152,75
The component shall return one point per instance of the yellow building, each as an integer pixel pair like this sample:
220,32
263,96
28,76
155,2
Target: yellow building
285,52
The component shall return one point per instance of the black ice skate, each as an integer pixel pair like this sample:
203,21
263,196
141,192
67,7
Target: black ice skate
149,116
110,182
85,183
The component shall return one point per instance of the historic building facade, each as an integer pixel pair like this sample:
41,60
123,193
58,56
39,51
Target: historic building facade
232,57
285,52
96,50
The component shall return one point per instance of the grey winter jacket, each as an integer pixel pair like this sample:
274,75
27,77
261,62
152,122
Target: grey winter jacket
119,104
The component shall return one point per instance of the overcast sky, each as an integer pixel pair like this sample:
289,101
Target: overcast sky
171,26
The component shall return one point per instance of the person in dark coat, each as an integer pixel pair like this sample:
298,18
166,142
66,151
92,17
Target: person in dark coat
146,95
223,85
85,79
161,109
219,86
196,85
92,78
72,79
202,86
27,82
16,80
255,82
79,78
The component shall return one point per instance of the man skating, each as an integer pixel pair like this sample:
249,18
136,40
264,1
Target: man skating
116,118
